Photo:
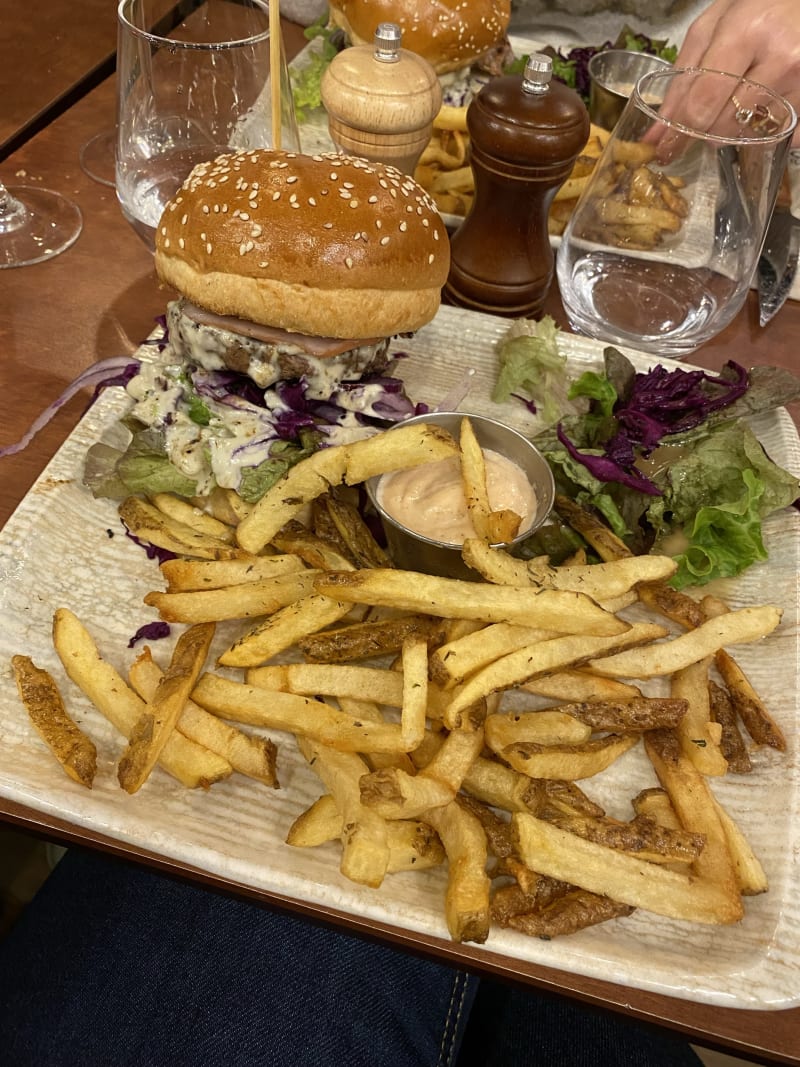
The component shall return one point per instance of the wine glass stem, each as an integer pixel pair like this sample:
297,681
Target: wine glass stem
12,212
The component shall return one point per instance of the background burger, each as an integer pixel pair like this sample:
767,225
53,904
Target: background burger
294,273
450,34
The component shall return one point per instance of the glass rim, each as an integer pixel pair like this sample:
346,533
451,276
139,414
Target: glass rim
123,20
652,76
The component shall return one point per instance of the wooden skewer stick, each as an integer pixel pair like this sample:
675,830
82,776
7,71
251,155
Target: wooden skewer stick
275,69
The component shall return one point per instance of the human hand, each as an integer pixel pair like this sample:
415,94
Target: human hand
756,38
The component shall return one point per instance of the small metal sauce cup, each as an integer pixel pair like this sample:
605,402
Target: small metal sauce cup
613,74
413,551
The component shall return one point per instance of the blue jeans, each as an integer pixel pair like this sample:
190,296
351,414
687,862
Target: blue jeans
115,965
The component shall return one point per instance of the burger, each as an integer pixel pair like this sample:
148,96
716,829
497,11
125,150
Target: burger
450,34
294,272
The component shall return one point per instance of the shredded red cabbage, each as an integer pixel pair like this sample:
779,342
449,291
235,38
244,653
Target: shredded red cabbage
151,631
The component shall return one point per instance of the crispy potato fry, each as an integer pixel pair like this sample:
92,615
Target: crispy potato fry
542,657
593,530
554,609
354,532
467,907
750,876
73,749
397,449
642,837
548,727
737,627
413,845
699,735
281,630
251,755
365,844
634,714
147,523
568,762
731,742
473,477
331,680
498,784
317,552
413,713
582,686
454,661
155,725
394,794
190,515
295,714
749,706
576,910
694,803
301,484
450,117
620,877
244,601
600,581
190,763
363,640
186,575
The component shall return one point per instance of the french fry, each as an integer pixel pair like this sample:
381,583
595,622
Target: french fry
498,784
301,484
414,709
699,735
581,685
282,629
244,601
548,727
626,879
147,523
455,660
251,755
731,742
554,609
633,714
750,876
542,657
182,511
190,763
155,725
576,910
642,837
568,762
473,477
73,749
738,627
413,845
185,575
354,532
365,844
295,714
467,905
314,550
363,640
749,706
397,449
695,806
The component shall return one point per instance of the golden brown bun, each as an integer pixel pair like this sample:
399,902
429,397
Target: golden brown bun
322,245
450,34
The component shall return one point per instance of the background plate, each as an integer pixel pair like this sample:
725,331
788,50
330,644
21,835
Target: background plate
62,548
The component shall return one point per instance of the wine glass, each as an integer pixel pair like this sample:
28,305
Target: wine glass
663,244
35,224
191,90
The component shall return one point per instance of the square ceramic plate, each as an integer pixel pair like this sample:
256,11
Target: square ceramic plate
62,548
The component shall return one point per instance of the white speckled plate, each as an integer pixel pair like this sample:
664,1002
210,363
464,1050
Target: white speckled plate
63,548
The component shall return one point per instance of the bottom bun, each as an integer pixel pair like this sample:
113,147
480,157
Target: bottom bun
322,312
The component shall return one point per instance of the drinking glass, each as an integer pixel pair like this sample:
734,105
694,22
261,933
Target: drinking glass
189,90
663,244
35,224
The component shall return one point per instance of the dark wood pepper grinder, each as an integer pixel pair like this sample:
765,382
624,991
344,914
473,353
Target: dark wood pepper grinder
526,132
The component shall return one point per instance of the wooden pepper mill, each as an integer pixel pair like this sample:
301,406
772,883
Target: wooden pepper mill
525,132
381,100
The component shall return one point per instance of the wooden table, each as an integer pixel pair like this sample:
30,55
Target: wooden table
100,299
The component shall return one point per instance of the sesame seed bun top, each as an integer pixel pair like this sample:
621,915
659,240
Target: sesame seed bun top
324,244
450,34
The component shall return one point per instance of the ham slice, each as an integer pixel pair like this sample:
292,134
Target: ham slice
322,347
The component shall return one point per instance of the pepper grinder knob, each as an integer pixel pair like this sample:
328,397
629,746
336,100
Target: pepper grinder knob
525,133
381,100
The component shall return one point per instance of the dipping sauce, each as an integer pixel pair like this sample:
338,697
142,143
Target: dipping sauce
429,499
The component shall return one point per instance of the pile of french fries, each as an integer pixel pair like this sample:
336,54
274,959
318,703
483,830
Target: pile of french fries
449,722
634,204
444,169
